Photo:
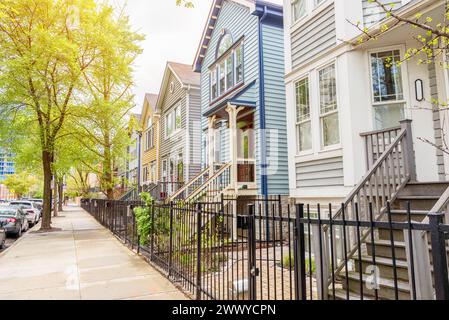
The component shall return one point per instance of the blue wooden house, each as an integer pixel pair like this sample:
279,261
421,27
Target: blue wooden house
244,137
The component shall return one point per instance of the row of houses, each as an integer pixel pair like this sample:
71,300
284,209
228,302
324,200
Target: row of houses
284,100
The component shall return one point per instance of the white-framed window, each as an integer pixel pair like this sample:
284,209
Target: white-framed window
173,121
330,129
387,88
145,174
303,116
152,172
227,72
149,139
301,8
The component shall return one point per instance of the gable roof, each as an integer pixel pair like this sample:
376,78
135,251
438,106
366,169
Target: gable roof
151,98
183,73
212,21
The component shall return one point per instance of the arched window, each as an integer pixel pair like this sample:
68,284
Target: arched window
225,43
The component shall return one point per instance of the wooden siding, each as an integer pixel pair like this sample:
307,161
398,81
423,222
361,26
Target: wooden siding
436,120
314,37
320,173
275,109
240,22
150,155
171,146
194,116
372,13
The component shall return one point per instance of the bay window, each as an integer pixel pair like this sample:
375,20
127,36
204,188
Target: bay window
330,134
214,87
238,64
388,94
303,120
222,79
227,73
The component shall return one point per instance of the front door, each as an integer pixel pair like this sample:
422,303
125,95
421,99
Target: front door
246,155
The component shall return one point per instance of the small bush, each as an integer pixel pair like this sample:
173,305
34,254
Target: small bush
288,262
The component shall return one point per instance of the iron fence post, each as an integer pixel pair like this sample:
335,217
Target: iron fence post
198,252
152,231
439,256
252,268
299,255
170,248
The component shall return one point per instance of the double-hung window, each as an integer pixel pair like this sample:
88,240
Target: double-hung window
227,72
303,119
330,132
173,121
149,139
299,9
388,94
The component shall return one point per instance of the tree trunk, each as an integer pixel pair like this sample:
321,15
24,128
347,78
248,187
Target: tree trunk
61,195
107,173
46,213
55,198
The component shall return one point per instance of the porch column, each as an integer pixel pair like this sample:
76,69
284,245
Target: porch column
211,143
233,111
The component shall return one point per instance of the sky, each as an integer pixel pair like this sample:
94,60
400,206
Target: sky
172,34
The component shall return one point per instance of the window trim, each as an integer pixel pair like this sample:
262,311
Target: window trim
405,82
172,113
215,68
311,11
310,119
323,115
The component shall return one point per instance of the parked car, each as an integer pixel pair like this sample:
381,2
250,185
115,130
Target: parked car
14,220
39,204
32,212
2,235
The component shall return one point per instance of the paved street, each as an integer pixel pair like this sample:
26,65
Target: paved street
81,261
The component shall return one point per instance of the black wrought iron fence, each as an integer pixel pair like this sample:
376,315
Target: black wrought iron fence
394,257
262,249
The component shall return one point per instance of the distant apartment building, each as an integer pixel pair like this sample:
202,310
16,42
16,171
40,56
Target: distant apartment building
6,168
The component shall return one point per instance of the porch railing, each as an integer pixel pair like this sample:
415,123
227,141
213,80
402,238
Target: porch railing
377,142
213,187
384,180
191,186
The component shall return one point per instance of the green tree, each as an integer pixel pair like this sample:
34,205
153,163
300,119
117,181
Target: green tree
102,122
45,47
20,184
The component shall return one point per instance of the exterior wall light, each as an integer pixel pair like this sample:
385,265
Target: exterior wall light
419,90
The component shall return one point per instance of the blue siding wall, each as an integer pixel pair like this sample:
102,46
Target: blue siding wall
240,22
275,109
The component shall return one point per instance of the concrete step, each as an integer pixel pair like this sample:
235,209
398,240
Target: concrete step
386,287
385,266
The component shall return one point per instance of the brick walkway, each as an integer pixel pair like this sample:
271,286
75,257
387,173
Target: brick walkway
82,261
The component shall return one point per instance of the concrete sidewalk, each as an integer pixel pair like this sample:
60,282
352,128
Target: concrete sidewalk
83,261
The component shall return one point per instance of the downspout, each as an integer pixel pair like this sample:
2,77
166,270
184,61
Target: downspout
262,126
